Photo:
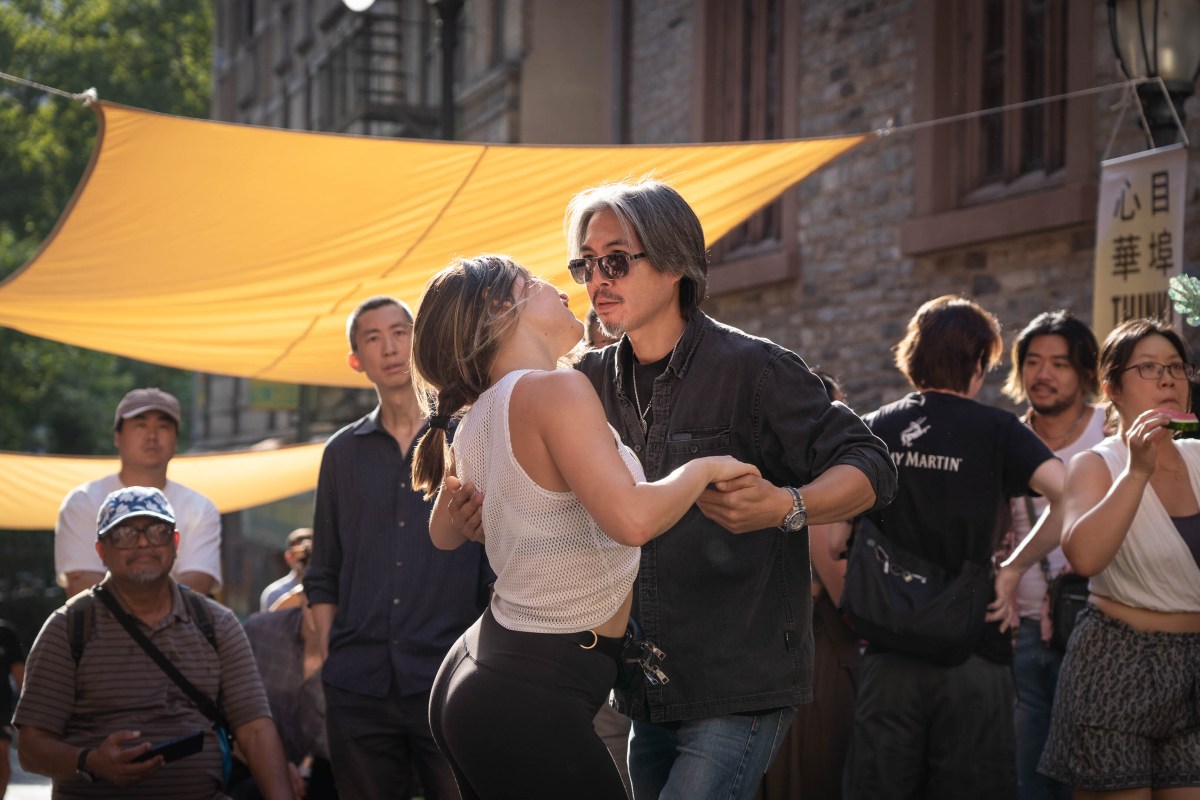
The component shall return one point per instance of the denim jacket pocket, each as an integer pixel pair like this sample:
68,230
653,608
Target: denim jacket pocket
685,445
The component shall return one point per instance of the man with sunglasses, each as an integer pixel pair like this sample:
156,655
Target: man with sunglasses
145,431
88,716
731,614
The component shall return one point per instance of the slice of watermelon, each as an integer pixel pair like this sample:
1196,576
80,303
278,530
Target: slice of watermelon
1180,421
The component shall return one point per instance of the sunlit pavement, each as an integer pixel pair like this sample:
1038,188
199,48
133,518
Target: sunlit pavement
25,786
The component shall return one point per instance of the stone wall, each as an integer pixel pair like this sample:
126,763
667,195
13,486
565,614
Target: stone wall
660,77
856,288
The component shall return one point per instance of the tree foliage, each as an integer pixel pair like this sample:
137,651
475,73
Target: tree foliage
154,54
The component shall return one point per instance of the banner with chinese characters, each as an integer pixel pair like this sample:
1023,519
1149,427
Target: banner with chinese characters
1139,236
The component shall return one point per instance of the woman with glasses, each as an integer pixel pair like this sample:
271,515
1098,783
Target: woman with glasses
566,509
1126,719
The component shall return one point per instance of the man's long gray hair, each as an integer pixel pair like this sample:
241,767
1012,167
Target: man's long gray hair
665,225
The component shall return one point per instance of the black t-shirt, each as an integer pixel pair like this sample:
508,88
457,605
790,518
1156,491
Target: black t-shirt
11,653
959,462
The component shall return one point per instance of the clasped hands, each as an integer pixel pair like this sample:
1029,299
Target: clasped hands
742,504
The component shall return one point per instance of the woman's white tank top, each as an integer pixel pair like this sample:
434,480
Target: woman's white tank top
556,570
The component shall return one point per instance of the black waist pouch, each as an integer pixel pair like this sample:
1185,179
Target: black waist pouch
901,602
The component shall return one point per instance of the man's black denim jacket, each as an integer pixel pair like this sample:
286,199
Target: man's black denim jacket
732,613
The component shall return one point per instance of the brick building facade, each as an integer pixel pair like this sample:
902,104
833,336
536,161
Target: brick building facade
1000,208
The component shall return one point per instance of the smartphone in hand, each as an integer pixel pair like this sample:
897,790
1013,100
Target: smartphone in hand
175,749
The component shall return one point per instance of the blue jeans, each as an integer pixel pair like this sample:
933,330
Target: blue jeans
714,758
1035,672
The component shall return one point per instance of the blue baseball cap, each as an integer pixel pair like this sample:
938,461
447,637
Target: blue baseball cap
133,501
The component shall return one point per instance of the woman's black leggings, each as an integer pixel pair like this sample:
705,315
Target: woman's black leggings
513,711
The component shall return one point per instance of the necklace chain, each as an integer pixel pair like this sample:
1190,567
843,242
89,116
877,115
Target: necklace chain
637,401
1033,416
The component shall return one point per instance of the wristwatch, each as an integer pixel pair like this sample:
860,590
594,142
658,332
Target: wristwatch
798,516
81,766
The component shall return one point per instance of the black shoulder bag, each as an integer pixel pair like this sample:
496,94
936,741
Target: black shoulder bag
901,602
1067,593
207,706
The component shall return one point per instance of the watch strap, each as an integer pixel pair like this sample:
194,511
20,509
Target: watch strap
81,767
797,508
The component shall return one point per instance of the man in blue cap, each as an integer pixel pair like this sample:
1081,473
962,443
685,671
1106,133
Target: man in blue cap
95,700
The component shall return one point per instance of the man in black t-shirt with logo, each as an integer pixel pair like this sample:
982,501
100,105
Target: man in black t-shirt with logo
923,729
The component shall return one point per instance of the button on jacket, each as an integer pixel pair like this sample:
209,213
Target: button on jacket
731,612
401,602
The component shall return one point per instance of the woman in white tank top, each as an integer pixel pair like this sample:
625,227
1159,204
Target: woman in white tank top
566,508
1126,719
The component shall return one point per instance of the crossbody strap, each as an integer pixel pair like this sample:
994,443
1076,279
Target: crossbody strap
203,702
1033,518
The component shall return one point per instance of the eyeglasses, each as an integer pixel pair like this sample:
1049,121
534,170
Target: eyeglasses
611,266
125,537
1151,371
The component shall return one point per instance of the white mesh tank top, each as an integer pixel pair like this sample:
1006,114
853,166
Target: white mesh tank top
556,570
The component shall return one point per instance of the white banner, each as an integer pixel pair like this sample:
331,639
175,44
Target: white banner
1139,236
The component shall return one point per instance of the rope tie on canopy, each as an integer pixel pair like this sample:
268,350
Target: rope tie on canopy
86,97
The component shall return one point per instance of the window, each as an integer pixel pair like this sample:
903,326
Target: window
1006,173
371,77
1021,56
747,95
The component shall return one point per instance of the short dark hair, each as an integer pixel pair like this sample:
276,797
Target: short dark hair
370,304
946,341
1082,351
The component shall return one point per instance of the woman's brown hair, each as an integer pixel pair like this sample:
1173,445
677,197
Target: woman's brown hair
467,311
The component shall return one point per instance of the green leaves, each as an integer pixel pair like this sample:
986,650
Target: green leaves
155,54
1184,291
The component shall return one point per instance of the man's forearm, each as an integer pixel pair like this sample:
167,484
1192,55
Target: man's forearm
840,493
323,614
43,753
1039,542
260,743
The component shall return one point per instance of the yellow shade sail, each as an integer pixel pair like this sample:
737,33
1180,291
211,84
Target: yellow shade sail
239,250
34,486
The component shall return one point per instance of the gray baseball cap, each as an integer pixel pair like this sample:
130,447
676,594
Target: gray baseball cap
139,401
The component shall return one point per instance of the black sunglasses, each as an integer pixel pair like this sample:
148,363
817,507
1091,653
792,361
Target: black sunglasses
611,266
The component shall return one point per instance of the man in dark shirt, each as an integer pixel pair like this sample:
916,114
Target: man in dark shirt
388,605
924,729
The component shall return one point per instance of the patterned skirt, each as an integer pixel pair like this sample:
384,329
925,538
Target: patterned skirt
1127,709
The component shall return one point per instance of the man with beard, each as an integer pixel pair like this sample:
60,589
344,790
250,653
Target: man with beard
91,708
145,431
387,604
1054,363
